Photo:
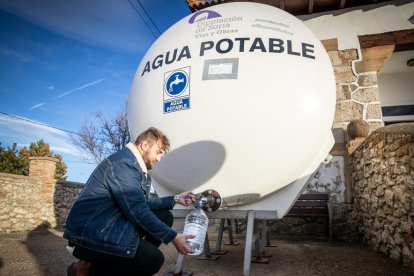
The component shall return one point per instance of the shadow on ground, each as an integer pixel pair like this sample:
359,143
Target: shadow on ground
48,249
40,252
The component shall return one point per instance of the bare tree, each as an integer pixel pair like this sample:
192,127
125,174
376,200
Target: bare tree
100,136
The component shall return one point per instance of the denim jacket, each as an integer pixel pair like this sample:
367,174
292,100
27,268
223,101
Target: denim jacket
111,205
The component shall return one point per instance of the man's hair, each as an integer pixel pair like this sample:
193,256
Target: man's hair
154,135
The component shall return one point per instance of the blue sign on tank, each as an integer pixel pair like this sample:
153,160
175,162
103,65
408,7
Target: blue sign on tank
176,83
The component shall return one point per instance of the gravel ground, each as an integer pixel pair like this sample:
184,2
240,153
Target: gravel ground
43,252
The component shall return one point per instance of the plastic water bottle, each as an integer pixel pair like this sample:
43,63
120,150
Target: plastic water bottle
196,223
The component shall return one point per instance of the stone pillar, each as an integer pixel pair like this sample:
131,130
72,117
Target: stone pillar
357,94
44,169
367,94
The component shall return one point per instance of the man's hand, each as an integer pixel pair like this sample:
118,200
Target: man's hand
180,243
186,198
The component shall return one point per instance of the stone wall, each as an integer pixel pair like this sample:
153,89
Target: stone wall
27,202
22,206
65,195
382,174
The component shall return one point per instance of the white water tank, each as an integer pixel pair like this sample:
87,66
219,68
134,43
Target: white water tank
246,94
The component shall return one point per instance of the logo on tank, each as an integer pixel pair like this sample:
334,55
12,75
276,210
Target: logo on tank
203,15
176,94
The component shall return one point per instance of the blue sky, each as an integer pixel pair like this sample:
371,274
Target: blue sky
61,61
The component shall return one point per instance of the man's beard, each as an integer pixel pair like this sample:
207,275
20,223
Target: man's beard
147,161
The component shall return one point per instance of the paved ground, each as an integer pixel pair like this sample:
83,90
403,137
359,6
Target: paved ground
43,253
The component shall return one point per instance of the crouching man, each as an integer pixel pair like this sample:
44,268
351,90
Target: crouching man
114,226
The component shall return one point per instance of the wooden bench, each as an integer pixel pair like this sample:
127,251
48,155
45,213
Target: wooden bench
313,205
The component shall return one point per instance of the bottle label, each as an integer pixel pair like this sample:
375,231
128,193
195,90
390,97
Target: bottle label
195,229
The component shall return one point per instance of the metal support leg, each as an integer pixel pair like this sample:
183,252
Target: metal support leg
268,244
219,239
236,226
263,232
330,219
178,267
249,241
260,245
229,228
257,242
223,228
207,251
179,264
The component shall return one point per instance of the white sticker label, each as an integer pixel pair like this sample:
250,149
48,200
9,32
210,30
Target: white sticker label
220,68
